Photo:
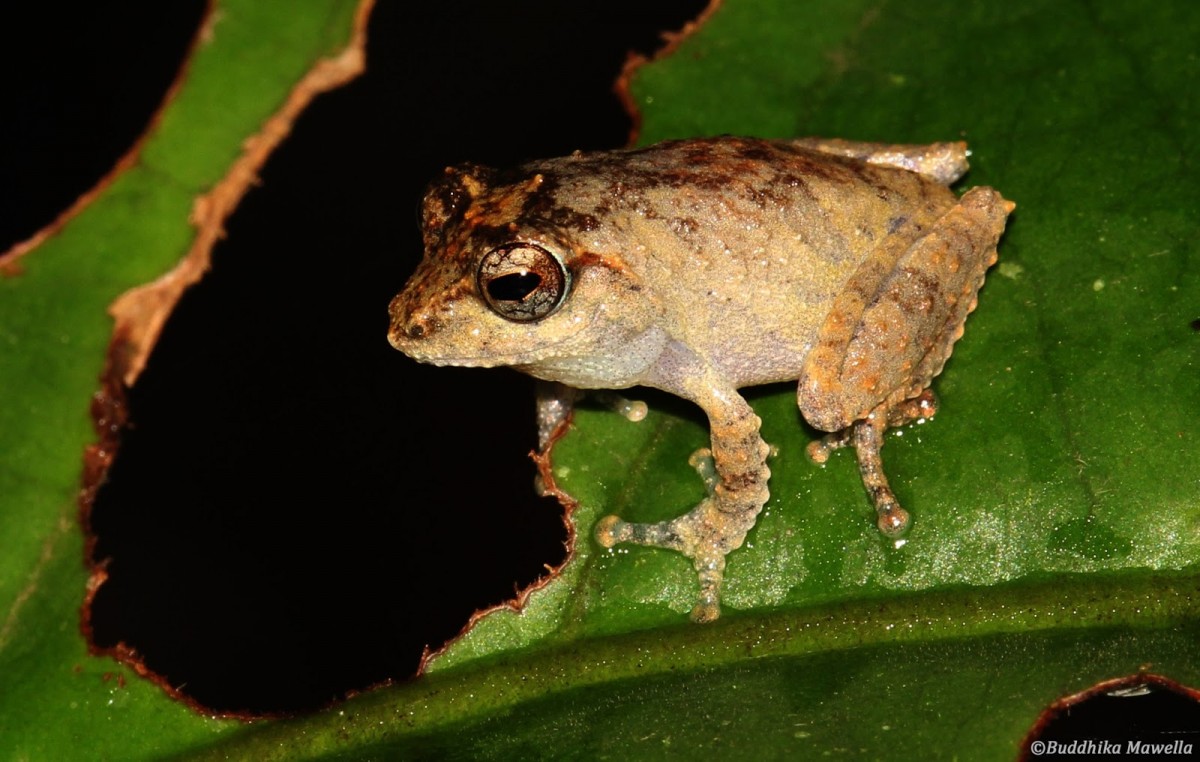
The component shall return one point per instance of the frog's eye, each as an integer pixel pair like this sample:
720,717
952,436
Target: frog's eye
522,281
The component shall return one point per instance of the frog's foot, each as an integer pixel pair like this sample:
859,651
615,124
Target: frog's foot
919,408
941,162
867,438
696,535
706,534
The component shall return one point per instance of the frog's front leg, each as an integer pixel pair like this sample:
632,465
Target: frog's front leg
555,402
735,474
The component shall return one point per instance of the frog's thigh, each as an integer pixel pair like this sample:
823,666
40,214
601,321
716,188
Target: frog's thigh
887,337
941,162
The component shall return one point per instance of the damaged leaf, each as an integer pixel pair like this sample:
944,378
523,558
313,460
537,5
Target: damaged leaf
1056,511
1055,504
252,70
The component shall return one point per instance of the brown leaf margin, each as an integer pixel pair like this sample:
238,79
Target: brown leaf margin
543,459
635,61
10,260
549,487
1063,705
140,313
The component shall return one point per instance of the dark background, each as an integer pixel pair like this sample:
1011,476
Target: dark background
297,509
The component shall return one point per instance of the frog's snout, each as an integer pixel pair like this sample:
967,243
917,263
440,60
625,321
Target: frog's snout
400,336
408,325
403,334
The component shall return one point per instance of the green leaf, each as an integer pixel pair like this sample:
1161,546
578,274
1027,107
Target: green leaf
54,335
1056,509
1067,434
1055,501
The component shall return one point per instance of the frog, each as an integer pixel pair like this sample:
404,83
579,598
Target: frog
703,266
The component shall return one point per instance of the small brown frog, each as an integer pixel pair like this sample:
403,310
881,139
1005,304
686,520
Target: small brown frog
703,266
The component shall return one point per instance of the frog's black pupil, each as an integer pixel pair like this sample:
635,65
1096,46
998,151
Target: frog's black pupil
513,287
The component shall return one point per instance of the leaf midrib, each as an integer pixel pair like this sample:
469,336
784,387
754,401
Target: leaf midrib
1076,603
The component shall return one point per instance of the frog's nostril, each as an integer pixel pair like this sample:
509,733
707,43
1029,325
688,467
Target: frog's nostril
416,330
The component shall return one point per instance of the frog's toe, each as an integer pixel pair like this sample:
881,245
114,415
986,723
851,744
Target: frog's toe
819,450
920,408
611,530
710,566
702,461
891,519
687,535
632,410
706,611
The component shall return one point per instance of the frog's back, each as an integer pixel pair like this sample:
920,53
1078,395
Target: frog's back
745,242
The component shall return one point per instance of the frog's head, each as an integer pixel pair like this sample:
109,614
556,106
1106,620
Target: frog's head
508,279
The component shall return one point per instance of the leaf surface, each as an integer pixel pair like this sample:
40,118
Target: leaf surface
1055,499
55,334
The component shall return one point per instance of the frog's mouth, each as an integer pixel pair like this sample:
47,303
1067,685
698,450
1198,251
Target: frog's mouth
438,344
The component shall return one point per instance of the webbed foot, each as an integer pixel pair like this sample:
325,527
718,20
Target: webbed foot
735,475
706,534
693,534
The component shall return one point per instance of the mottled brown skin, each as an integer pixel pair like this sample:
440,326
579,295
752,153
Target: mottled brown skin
703,266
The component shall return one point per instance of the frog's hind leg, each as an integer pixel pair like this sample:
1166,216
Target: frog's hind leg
890,332
941,162
867,438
